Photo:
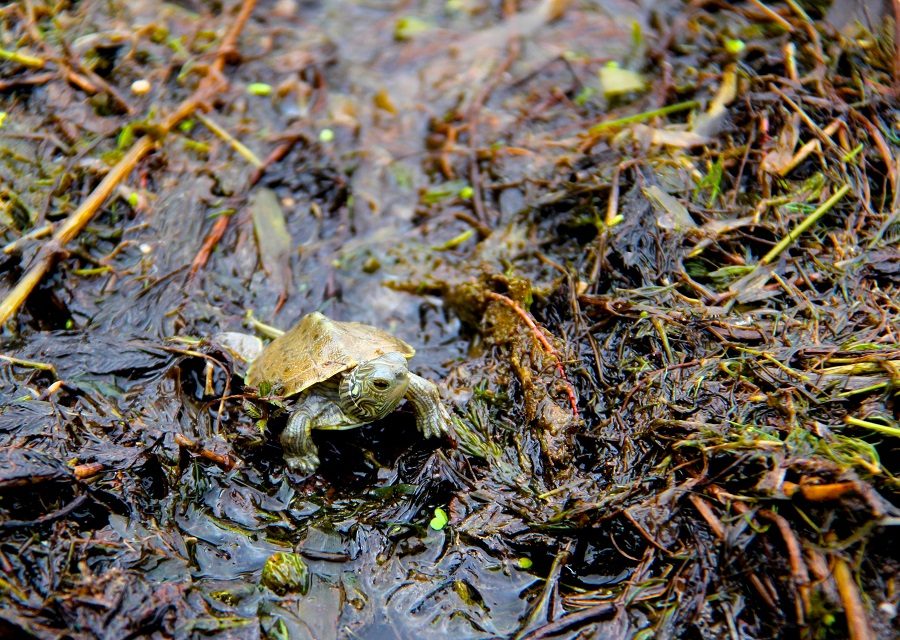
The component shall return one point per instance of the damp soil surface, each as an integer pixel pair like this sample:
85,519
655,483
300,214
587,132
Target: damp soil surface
647,250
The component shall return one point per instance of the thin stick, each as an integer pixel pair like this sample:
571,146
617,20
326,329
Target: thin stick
210,85
810,220
539,335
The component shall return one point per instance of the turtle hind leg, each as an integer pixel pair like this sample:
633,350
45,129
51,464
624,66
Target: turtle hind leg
431,415
300,453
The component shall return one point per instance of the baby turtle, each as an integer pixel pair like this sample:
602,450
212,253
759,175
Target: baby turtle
345,374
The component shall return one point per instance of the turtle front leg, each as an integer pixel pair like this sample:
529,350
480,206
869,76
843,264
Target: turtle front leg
300,453
431,416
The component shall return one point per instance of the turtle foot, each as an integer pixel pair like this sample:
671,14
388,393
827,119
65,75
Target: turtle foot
434,423
302,464
432,417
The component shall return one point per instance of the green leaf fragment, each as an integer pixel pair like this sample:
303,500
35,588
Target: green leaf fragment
443,191
584,96
126,137
440,519
409,27
259,89
734,46
617,81
454,242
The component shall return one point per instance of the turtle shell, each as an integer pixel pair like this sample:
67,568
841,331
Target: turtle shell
317,348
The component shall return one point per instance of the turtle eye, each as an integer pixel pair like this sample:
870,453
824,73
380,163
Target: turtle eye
381,384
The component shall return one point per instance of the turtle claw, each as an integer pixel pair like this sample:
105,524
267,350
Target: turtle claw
305,464
436,423
432,417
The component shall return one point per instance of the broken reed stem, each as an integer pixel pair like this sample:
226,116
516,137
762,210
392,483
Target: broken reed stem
810,220
210,85
542,339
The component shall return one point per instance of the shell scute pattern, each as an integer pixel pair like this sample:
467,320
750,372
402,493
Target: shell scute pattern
318,348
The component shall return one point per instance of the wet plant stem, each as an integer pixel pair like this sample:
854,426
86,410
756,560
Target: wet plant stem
644,115
873,426
22,58
810,220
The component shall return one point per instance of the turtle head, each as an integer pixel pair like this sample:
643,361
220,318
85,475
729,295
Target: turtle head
374,388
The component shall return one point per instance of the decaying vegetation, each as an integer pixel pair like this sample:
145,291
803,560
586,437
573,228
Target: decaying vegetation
660,296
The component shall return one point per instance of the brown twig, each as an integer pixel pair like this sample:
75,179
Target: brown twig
277,154
542,339
644,533
215,234
880,144
858,625
87,470
209,244
18,81
820,492
705,510
225,461
795,557
897,47
213,83
568,621
482,229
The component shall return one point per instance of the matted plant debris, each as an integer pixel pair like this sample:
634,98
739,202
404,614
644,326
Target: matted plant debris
648,251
